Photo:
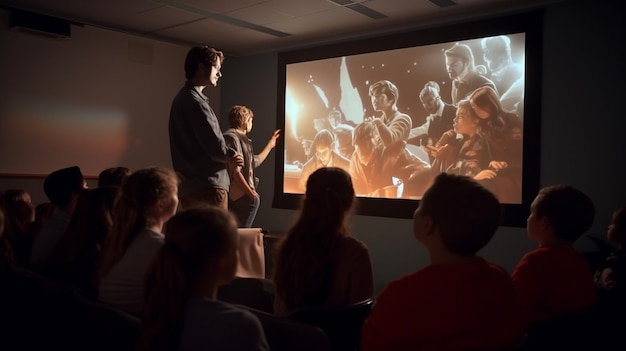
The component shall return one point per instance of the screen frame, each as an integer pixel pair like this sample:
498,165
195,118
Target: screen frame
530,23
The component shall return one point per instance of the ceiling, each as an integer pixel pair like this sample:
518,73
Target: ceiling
247,27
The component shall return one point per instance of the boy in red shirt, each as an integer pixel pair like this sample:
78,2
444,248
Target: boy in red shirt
460,301
554,279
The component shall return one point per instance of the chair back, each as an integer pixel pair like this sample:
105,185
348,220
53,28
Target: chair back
257,293
105,327
40,313
283,334
580,330
341,324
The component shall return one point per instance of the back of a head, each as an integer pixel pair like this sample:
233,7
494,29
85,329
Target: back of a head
304,258
364,132
570,211
18,208
328,198
201,234
329,188
99,212
87,229
465,213
60,184
145,187
196,239
133,211
238,115
114,176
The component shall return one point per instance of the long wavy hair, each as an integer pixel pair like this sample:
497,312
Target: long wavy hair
197,241
488,100
134,212
305,257
80,246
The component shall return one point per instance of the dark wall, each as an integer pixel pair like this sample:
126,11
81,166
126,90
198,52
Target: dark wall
582,130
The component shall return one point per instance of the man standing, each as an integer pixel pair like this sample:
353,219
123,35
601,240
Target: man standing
199,153
461,69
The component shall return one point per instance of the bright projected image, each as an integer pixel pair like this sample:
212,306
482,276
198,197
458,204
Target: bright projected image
394,119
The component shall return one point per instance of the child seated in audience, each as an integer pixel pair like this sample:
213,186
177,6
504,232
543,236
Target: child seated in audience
62,188
318,263
20,216
554,280
181,311
460,301
76,255
610,276
148,200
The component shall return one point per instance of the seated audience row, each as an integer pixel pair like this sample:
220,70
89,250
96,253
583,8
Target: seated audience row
129,246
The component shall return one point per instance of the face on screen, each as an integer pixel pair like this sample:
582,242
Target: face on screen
430,103
364,151
380,101
323,154
463,122
455,67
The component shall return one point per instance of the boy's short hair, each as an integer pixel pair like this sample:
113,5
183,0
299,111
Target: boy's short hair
364,132
60,184
385,87
323,138
238,115
569,210
465,213
462,52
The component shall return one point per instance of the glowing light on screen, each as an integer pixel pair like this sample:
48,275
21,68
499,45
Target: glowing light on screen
291,112
321,94
350,104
